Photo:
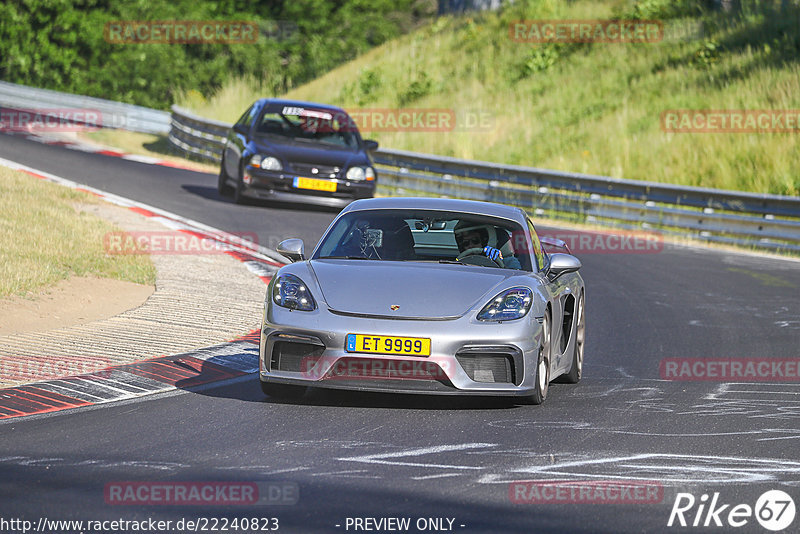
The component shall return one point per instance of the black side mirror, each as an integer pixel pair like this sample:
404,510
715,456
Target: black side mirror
370,145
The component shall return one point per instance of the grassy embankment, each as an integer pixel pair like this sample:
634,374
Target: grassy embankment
592,108
46,238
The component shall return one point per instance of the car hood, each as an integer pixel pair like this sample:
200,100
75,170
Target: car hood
305,153
421,290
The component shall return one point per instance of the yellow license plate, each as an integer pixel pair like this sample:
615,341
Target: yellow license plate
406,346
317,185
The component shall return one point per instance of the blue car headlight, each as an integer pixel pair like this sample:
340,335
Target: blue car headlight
511,304
291,292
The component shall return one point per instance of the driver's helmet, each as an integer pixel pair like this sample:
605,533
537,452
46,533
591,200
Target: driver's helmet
490,235
466,232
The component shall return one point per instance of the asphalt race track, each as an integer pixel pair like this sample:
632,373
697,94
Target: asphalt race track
379,456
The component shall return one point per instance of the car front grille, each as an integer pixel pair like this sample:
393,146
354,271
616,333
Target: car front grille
492,367
322,171
295,356
385,369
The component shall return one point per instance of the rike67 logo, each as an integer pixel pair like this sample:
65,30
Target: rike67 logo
774,510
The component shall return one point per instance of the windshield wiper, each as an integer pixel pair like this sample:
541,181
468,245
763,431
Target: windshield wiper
452,262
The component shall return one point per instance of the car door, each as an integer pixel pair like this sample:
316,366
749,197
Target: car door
562,301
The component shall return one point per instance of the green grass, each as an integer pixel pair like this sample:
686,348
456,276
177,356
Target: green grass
44,238
592,108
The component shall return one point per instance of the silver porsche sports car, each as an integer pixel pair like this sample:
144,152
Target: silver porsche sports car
428,296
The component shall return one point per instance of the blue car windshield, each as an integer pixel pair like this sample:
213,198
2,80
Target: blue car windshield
425,235
307,125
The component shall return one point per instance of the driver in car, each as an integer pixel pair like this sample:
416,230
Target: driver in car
484,239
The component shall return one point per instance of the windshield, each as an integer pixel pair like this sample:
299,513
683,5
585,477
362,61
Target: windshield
423,235
309,125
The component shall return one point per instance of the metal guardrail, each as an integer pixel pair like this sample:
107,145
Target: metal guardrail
758,220
733,217
192,134
114,114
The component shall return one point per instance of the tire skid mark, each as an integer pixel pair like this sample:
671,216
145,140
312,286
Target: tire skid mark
211,364
163,373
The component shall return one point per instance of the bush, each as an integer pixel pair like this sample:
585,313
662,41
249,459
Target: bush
59,44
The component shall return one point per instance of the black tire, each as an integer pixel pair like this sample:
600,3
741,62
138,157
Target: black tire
543,364
222,182
238,191
576,370
282,391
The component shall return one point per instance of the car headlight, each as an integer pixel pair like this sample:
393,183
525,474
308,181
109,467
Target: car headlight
267,163
271,164
359,174
511,304
290,292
